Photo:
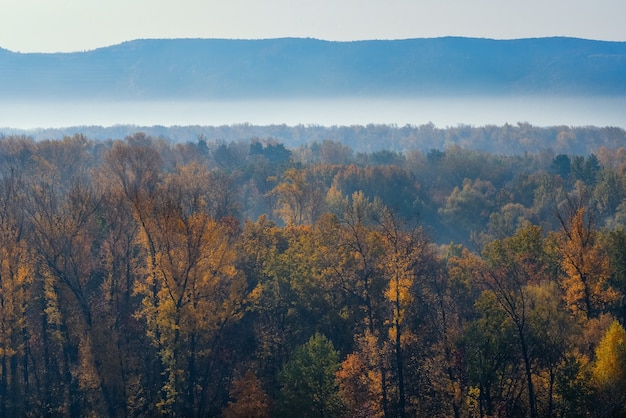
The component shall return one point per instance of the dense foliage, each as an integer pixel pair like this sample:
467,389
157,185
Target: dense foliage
144,278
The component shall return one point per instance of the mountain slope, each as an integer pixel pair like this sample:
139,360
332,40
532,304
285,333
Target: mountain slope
286,67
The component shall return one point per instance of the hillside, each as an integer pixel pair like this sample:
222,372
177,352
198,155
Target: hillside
288,67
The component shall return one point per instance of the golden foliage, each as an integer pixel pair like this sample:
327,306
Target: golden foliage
609,368
360,379
586,266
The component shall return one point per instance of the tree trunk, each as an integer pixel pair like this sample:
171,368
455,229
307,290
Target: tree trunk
383,382
529,377
25,371
400,375
3,386
583,278
191,384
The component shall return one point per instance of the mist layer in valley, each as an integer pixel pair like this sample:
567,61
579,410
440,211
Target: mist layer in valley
442,111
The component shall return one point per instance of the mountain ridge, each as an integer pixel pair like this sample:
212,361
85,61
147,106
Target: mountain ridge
198,68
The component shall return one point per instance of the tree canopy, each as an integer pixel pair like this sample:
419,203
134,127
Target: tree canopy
140,277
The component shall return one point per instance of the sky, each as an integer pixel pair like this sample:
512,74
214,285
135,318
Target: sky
79,25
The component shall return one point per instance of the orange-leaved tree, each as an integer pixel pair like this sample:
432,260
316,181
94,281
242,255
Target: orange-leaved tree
586,265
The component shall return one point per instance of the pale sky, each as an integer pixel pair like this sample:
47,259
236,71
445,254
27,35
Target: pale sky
76,25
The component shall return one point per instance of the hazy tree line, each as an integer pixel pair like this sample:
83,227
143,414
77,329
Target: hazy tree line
139,277
507,139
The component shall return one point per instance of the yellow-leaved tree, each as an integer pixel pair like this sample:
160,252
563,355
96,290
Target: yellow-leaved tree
191,289
404,252
609,372
16,278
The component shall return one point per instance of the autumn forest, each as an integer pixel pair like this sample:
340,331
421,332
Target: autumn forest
144,277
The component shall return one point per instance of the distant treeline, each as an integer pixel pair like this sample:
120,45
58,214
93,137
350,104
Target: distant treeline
507,139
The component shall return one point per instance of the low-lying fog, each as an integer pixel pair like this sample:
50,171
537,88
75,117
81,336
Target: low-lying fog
442,111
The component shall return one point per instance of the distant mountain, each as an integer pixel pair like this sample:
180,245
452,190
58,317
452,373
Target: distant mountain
288,67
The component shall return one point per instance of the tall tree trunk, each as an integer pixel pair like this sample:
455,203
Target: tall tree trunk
398,352
25,371
400,374
191,384
16,396
383,383
588,307
529,376
3,386
551,392
47,372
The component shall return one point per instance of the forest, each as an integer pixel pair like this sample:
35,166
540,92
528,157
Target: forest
144,277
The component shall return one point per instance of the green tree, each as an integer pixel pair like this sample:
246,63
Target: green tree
587,169
309,386
561,165
492,364
512,264
615,242
551,329
268,255
609,193
469,207
394,186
